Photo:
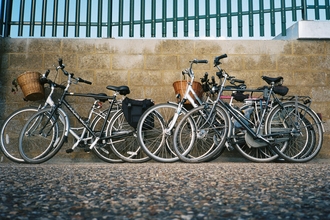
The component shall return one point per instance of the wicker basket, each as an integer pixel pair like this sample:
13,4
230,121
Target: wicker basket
180,87
30,85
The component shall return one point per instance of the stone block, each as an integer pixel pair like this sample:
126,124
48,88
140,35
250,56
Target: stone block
47,45
308,47
320,62
178,47
78,46
145,78
127,62
160,62
260,62
111,77
94,61
26,62
289,62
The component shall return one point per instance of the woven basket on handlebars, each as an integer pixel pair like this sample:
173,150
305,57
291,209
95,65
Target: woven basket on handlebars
180,87
31,86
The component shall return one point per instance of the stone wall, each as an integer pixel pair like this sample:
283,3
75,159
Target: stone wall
150,66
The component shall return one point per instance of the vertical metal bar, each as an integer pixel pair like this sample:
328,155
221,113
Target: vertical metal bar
9,9
294,10
327,10
185,18
207,20
283,18
153,18
175,18
88,18
43,18
272,17
251,18
77,22
99,18
196,18
2,12
120,18
32,17
21,18
317,9
66,19
304,9
164,14
240,18
131,19
54,25
142,18
229,30
262,18
218,18
109,27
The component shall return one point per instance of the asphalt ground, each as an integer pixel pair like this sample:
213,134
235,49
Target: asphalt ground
224,189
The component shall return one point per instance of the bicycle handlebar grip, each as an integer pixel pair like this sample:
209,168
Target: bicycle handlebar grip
200,61
84,81
213,80
60,62
222,56
204,79
47,73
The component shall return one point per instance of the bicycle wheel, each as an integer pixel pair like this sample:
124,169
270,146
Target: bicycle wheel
257,152
41,137
10,131
124,141
302,126
201,134
103,149
153,132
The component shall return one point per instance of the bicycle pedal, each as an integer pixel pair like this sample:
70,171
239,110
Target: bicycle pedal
69,151
87,150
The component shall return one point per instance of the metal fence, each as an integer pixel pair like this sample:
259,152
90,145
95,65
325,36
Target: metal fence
155,18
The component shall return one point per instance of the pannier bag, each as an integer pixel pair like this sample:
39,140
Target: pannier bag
281,90
133,110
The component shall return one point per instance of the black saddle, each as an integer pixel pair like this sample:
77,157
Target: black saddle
122,90
270,80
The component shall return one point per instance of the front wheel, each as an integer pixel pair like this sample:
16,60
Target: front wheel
41,137
201,134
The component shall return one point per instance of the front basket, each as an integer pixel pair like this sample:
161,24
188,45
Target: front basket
31,86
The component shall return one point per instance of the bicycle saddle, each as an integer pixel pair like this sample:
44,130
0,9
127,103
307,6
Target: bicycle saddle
270,80
123,90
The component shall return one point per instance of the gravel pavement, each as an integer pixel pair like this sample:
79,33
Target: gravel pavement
214,190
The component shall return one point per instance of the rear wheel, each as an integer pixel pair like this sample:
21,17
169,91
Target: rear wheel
11,130
304,131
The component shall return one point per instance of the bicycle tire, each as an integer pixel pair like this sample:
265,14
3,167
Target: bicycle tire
201,134
10,132
156,141
306,141
36,147
125,145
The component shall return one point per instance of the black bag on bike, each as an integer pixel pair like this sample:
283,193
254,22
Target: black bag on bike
133,110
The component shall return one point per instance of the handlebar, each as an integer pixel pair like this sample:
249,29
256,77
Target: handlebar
62,66
199,61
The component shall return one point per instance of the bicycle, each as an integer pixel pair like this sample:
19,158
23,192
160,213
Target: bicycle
289,129
156,141
39,134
